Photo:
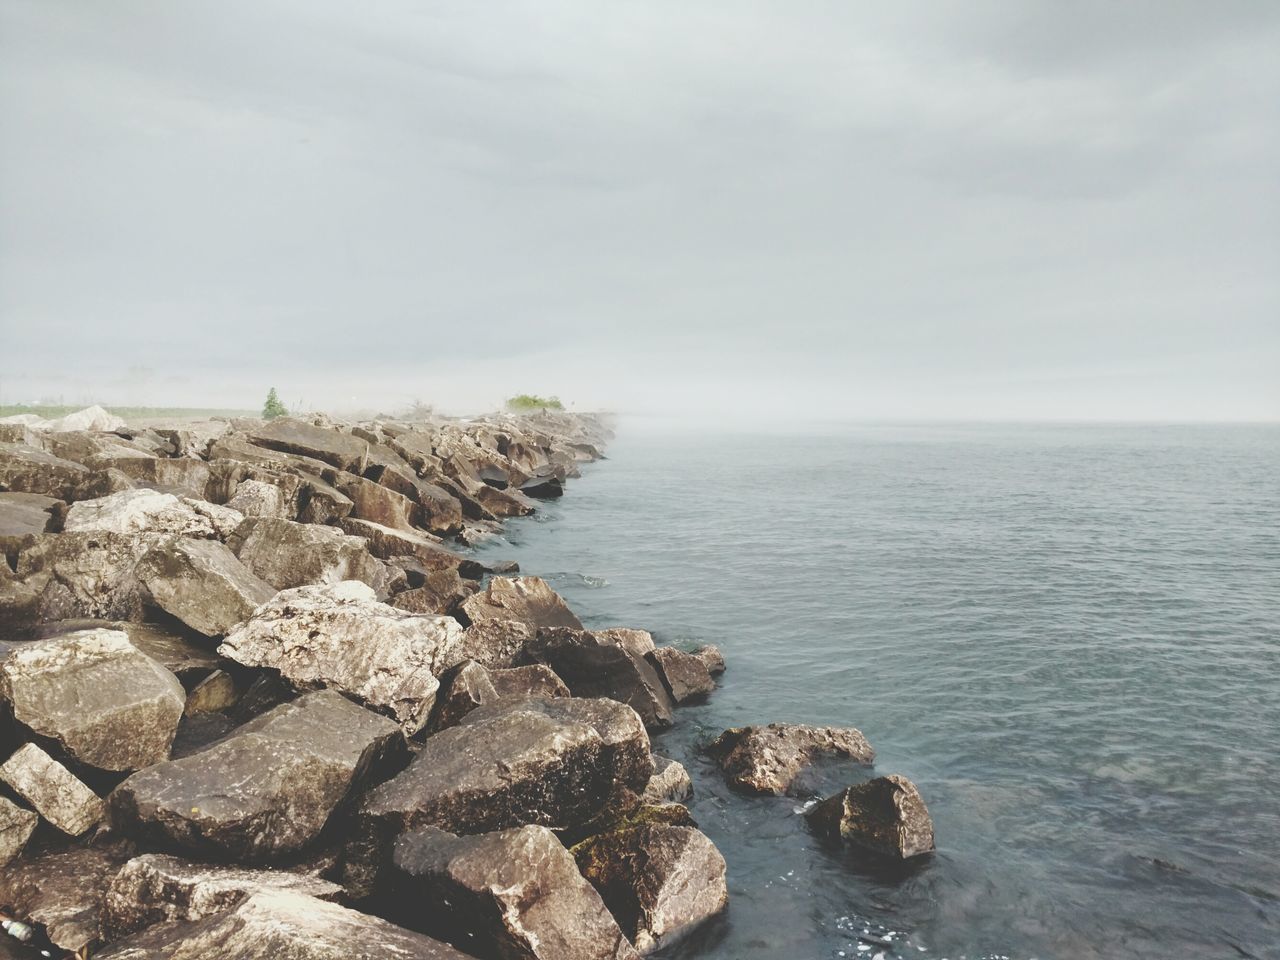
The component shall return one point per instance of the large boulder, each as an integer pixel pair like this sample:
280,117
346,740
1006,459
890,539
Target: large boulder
104,701
25,469
86,574
155,888
886,815
711,656
54,792
497,643
285,434
61,890
527,600
685,676
281,925
16,826
661,880
266,790
768,759
593,667
174,647
202,583
387,543
141,510
188,478
288,554
339,635
259,498
374,502
90,418
513,894
431,591
25,514
535,680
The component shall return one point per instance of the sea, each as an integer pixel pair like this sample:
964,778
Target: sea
1066,635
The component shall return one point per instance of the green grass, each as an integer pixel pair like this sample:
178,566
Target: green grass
51,412
530,401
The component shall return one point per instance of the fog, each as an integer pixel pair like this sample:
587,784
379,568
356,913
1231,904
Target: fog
694,210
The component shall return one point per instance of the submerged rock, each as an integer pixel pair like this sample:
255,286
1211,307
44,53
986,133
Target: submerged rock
202,583
266,790
105,702
16,826
886,815
513,894
339,635
768,759
56,794
527,600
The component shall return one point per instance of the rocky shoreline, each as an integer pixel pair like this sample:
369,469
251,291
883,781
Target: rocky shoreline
257,700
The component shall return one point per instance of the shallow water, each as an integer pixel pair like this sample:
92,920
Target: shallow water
1067,636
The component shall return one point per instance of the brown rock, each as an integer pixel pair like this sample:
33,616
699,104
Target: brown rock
49,787
462,689
711,656
685,676
62,891
16,826
87,574
769,759
293,436
535,680
25,469
287,554
496,643
527,600
202,583
670,782
886,815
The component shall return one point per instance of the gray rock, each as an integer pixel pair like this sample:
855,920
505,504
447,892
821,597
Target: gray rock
293,436
51,788
25,469
105,702
24,514
257,498
156,888
434,591
281,925
462,689
16,826
266,790
638,642
543,488
148,511
886,815
527,600
62,891
710,655
287,554
214,693
202,583
390,544
173,647
188,478
87,574
339,635
769,759
535,680
670,782
496,643
373,502
685,676
512,894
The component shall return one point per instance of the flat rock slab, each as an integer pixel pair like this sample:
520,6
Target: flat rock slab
202,583
267,789
55,793
23,514
768,759
339,635
277,925
886,815
288,435
62,891
142,510
554,763
514,894
528,600
25,469
103,700
16,826
155,888
174,647
288,554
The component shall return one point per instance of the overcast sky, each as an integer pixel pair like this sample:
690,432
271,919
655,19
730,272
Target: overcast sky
1010,210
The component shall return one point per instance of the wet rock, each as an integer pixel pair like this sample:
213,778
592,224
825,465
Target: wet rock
886,815
280,924
105,702
25,469
52,790
339,635
527,600
155,888
768,759
266,790
86,574
685,676
16,826
552,762
638,642
591,667
287,554
462,689
543,488
660,880
535,680
149,511
62,891
257,498
293,436
711,656
514,894
670,782
202,583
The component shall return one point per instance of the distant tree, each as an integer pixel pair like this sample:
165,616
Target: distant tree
273,407
529,401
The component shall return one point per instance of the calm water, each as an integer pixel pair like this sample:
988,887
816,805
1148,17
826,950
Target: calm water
1067,636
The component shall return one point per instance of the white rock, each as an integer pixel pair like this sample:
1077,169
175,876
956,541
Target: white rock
150,511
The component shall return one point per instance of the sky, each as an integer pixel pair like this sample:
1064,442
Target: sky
732,209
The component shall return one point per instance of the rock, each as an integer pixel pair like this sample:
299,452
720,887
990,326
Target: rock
527,600
142,511
16,826
257,498
224,520
25,469
172,646
104,701
202,583
90,418
711,656
462,689
86,574
661,881
19,602
434,591
23,514
374,502
266,790
318,502
287,554
214,693
388,544
638,642
186,477
554,763
155,889
768,759
62,891
514,894
102,483
887,815
496,643
543,488
51,788
281,925
293,436
670,782
535,680
339,635
591,667
685,676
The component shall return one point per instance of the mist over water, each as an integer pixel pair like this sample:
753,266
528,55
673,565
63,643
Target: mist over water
1067,636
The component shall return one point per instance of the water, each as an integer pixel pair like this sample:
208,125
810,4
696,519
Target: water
1067,636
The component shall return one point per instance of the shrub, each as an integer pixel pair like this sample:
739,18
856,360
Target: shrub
273,407
531,401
